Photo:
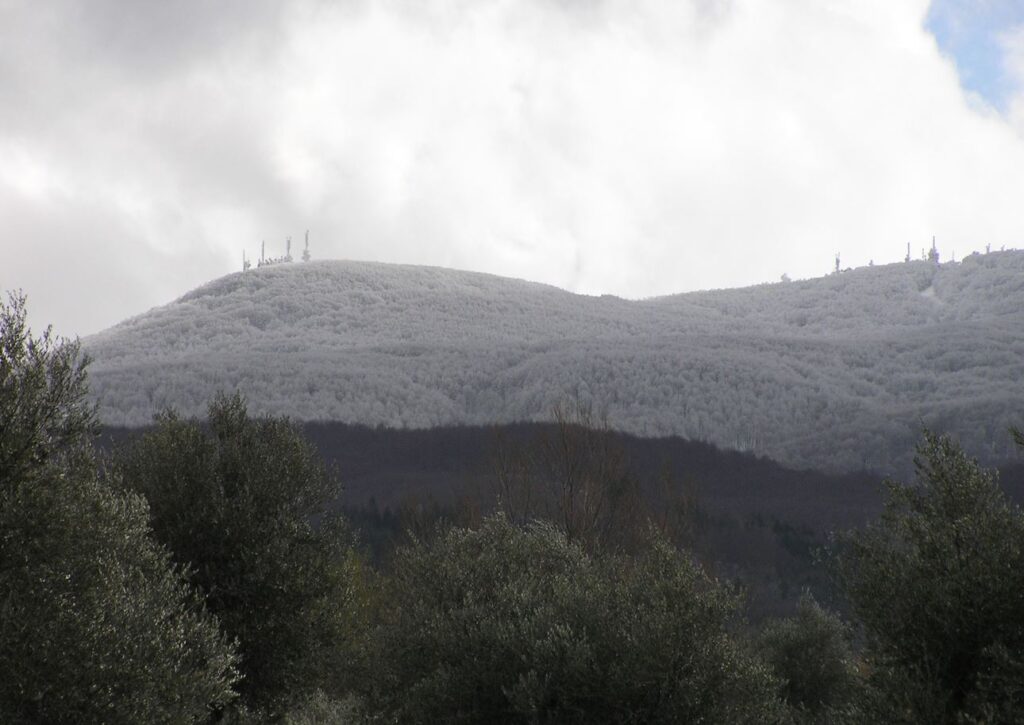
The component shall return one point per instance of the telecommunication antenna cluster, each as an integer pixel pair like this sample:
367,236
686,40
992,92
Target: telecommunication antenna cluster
265,261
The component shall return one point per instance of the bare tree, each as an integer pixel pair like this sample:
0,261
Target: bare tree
675,510
575,474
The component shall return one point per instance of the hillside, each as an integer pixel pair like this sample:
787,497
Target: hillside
835,373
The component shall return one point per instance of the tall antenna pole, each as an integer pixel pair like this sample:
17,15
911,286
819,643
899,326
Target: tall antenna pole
305,252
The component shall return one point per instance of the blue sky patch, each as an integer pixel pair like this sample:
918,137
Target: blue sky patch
968,31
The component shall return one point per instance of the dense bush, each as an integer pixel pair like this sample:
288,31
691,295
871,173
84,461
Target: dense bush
95,624
812,656
242,502
506,625
938,585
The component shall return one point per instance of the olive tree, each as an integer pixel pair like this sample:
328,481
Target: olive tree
521,625
96,625
938,586
812,655
244,503
44,405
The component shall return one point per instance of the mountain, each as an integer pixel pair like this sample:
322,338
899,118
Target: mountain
836,373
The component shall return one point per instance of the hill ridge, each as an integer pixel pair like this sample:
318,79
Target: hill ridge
836,373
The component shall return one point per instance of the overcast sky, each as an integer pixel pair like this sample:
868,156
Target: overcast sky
634,147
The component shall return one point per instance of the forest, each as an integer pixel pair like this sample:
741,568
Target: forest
837,373
211,568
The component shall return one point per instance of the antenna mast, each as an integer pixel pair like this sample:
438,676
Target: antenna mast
305,252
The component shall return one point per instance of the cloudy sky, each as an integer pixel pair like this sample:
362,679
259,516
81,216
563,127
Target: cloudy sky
634,147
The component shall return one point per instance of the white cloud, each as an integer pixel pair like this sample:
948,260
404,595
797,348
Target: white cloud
637,148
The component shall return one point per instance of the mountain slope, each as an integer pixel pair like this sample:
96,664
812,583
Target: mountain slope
836,373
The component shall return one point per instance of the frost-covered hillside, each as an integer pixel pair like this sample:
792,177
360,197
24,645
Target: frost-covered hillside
835,373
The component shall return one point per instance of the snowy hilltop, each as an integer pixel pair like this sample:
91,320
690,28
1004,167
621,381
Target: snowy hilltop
836,373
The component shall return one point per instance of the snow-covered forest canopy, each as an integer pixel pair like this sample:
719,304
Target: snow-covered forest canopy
836,373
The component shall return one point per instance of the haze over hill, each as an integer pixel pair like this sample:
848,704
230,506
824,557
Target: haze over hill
834,373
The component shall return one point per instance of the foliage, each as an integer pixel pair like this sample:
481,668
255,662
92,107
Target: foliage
43,393
811,655
504,624
937,585
236,502
318,709
95,624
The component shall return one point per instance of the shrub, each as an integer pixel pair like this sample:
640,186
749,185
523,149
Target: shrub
507,625
96,626
811,655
